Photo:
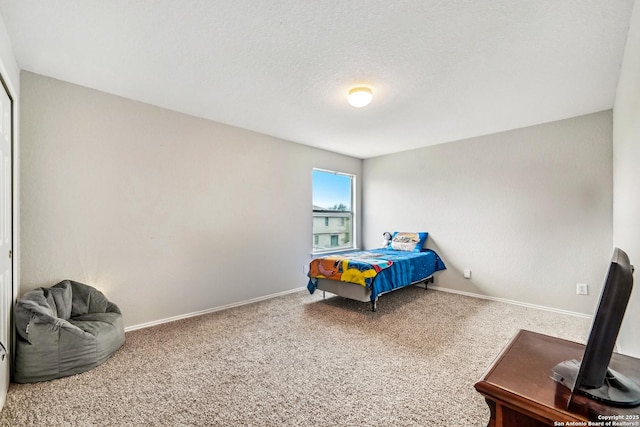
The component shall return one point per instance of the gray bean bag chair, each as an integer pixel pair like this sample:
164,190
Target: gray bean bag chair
64,330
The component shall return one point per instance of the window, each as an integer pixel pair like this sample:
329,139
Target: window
333,220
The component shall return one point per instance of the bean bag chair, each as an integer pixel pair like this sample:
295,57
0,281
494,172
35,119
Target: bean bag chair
64,330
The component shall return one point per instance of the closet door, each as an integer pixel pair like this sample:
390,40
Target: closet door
6,238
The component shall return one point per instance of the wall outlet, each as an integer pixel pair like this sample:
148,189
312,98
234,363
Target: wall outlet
467,274
582,289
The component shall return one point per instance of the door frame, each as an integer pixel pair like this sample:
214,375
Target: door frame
10,347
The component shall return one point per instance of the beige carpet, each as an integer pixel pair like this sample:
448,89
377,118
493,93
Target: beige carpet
297,360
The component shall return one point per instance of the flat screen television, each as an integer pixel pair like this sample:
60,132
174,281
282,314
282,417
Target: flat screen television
592,376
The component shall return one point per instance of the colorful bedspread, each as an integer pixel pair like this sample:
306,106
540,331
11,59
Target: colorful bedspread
358,267
380,270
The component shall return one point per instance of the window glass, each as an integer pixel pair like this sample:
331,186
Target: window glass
332,210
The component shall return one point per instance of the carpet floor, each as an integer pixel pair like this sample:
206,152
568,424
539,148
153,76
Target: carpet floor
297,360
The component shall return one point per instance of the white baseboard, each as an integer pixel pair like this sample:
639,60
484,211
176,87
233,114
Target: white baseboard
508,301
210,310
437,288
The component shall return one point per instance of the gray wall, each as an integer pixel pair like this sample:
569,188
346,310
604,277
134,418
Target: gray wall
626,178
170,214
166,213
529,211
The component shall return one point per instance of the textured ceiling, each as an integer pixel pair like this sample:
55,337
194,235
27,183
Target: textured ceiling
440,70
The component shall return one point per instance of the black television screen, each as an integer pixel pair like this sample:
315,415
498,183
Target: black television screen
592,376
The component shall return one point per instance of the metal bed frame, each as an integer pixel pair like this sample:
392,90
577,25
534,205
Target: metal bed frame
358,292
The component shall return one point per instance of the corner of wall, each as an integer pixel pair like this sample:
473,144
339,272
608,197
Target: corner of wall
626,154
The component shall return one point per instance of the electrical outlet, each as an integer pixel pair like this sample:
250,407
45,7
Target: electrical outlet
582,289
467,274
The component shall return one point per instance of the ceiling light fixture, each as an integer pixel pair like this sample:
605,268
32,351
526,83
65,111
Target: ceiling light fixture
360,96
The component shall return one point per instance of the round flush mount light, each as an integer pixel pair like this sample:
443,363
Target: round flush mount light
360,96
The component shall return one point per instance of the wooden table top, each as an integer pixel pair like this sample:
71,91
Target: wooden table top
521,377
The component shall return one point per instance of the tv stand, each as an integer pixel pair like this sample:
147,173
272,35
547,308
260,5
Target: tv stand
520,391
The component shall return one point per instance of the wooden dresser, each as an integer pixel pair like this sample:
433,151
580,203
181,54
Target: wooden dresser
520,392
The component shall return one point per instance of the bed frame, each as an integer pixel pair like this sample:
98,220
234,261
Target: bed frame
358,292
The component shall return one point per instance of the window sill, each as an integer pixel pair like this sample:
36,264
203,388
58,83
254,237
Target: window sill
330,252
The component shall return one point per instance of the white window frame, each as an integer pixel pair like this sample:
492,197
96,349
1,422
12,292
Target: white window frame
351,215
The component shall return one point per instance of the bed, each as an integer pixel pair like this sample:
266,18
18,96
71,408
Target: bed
365,275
